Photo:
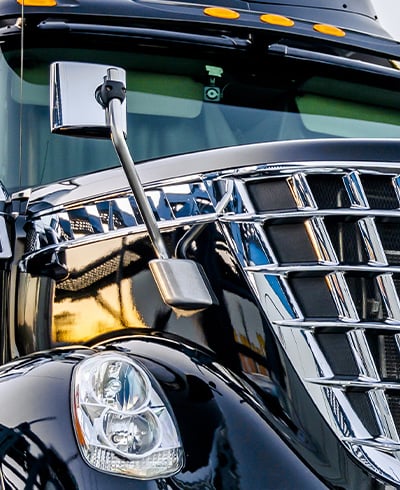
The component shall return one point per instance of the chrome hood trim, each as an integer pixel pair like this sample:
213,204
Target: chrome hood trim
177,168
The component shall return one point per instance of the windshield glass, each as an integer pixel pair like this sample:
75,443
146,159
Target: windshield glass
181,102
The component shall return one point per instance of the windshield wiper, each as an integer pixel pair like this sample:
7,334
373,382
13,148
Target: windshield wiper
333,60
146,33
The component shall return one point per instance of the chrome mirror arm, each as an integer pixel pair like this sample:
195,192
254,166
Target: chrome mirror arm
114,111
182,283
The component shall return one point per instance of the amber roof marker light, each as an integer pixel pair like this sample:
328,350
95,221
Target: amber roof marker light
221,13
37,3
277,20
329,30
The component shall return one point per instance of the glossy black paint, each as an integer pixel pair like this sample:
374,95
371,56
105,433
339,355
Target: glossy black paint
227,441
228,426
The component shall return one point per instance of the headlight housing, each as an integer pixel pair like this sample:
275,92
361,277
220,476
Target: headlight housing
121,422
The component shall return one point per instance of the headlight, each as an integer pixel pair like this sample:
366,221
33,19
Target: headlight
121,423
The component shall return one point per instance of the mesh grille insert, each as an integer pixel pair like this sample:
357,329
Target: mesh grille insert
346,240
362,406
337,350
291,243
393,399
81,226
366,297
380,191
328,191
313,296
389,357
271,195
389,233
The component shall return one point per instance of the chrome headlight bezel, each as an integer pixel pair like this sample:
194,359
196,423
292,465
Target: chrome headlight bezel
123,422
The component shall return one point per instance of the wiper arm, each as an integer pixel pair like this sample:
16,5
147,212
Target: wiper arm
332,59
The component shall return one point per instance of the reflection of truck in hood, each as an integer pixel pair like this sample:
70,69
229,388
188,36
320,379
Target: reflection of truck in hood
235,322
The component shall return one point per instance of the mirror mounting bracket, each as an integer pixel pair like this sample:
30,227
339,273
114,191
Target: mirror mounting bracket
112,89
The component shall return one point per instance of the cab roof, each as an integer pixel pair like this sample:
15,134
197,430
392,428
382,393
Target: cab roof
353,14
356,19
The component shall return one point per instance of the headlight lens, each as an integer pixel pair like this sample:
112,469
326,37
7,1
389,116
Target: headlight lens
122,424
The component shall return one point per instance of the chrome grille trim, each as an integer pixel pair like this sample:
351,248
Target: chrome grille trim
320,240
261,217
378,443
5,246
342,297
372,242
301,192
362,355
363,383
284,270
396,184
355,191
339,325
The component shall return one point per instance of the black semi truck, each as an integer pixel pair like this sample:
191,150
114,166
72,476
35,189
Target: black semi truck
199,245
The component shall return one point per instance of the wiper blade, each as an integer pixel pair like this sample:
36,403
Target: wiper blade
147,33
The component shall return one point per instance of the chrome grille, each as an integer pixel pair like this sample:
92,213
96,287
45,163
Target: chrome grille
323,260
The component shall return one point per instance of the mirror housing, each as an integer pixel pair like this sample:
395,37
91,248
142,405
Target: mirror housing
74,108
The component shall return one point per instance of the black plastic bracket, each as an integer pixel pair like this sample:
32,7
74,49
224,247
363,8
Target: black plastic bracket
110,89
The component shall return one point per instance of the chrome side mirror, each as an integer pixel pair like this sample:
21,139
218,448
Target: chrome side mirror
74,108
89,100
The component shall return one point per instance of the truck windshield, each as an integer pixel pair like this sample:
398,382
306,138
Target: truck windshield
179,104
